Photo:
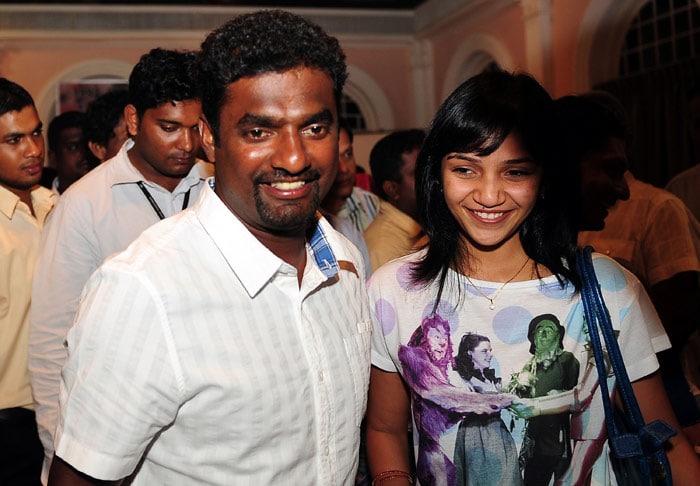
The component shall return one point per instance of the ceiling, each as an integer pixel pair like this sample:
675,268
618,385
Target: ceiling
319,4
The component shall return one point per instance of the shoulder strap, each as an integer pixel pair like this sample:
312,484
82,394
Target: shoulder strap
598,319
643,442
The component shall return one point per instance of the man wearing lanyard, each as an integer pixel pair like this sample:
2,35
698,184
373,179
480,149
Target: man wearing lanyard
154,175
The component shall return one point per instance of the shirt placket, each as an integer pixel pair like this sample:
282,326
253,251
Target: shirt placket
321,382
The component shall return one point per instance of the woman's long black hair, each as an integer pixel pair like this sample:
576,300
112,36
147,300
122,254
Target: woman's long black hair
476,118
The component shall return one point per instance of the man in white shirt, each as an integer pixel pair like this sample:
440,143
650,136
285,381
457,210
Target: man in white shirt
230,343
154,175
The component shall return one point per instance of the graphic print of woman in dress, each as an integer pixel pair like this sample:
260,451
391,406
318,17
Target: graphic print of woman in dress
438,404
485,452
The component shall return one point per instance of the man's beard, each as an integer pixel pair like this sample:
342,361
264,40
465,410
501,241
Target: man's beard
288,217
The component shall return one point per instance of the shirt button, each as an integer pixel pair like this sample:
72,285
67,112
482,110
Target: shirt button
320,376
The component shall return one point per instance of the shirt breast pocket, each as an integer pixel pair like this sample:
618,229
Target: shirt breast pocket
357,349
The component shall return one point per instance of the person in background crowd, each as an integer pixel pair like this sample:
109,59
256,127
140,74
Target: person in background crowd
105,126
24,205
395,231
154,175
68,152
349,208
685,184
646,229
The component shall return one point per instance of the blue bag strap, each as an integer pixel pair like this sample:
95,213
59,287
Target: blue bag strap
654,434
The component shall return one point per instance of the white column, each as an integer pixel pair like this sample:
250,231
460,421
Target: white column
423,82
537,19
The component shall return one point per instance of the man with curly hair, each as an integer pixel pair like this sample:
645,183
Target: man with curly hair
230,343
154,175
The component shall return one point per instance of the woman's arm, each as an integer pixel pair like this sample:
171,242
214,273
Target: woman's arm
654,404
388,414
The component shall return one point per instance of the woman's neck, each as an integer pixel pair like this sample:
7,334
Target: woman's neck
507,262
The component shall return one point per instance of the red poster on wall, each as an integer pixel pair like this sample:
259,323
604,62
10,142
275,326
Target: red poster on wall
76,95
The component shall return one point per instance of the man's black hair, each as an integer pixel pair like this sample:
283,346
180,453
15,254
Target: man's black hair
13,97
263,42
163,76
68,119
386,157
103,114
343,124
588,121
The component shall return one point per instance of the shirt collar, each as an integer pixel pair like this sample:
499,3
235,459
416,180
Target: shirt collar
124,172
8,202
322,252
257,265
42,201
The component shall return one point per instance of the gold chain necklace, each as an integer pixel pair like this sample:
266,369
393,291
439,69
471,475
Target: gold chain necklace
492,306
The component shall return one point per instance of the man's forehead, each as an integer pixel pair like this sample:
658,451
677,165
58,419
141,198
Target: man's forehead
71,132
19,121
298,72
170,105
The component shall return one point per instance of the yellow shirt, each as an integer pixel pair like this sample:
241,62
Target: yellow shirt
653,234
392,234
19,240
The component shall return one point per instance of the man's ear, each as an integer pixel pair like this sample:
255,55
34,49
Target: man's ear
207,138
391,189
132,120
97,150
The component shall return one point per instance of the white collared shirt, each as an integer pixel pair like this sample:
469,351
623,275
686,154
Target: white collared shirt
98,215
358,211
199,336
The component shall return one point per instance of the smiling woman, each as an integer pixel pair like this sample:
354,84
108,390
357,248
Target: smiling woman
501,221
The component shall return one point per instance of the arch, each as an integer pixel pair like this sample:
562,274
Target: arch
601,36
471,57
95,68
370,98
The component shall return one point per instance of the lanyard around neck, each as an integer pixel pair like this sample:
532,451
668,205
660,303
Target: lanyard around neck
154,204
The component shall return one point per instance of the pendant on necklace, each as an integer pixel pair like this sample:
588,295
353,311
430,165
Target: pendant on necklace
492,306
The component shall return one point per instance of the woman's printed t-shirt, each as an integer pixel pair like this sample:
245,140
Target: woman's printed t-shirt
566,439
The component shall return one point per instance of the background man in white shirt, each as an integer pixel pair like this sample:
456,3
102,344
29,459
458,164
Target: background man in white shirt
349,208
230,343
153,176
